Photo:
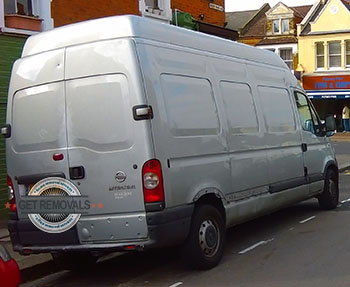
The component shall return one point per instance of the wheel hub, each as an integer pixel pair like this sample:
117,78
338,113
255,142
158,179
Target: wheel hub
208,237
332,188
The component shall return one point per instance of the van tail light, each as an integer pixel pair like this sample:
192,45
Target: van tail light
11,194
152,179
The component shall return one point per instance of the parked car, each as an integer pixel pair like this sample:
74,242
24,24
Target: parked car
9,271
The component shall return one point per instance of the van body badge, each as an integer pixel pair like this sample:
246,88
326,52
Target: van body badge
120,176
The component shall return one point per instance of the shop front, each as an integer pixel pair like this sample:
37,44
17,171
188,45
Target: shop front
329,94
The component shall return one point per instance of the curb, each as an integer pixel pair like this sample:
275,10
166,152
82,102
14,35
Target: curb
344,167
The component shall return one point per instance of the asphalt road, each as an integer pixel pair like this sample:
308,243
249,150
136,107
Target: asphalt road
341,147
298,246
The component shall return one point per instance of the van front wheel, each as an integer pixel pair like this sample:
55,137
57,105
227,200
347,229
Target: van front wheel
205,243
329,198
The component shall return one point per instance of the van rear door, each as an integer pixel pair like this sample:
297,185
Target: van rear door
36,113
106,146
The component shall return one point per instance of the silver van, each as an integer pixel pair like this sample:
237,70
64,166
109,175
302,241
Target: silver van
171,135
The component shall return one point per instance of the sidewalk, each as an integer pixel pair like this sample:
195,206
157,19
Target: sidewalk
341,137
43,263
22,261
343,159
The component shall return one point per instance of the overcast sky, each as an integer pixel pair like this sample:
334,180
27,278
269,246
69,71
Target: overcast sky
241,5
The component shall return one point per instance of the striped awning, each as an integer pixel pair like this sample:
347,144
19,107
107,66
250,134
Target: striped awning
337,95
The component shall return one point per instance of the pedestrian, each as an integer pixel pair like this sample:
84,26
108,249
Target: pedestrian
345,117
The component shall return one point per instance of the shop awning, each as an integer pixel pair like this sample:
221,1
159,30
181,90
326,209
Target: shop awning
337,95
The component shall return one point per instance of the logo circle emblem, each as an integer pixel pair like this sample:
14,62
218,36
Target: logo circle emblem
120,176
54,223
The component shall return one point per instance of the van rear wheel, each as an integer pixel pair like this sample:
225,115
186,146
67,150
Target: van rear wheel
204,246
329,198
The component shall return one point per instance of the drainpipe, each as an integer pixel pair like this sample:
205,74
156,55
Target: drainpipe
176,17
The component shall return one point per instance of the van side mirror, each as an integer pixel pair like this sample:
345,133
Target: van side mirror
330,126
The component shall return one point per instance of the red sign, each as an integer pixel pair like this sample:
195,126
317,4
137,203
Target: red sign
336,82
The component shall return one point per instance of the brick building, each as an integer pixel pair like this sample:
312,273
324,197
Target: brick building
207,16
271,28
71,11
66,12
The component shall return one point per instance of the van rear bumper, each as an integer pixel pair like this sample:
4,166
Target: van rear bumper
165,228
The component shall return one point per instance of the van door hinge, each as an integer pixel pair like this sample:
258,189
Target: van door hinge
142,112
6,131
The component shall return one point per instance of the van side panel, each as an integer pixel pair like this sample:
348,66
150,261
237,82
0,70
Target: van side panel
188,129
245,133
282,135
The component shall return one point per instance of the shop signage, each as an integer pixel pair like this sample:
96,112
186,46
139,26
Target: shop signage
326,82
216,7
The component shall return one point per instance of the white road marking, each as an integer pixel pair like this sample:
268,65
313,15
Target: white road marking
307,219
176,284
346,200
255,246
292,228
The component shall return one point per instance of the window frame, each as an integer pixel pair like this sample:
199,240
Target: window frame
317,124
347,53
287,31
322,56
334,55
30,4
291,61
154,6
278,25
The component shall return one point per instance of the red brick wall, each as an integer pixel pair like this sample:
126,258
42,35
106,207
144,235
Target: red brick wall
71,11
198,7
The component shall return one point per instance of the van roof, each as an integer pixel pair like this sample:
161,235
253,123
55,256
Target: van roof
140,27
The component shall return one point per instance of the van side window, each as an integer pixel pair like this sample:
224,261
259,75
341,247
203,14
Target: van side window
277,108
308,117
190,106
240,108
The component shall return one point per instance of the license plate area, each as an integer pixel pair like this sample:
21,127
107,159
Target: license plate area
28,187
25,188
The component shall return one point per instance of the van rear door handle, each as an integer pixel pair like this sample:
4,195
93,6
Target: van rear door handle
304,147
77,172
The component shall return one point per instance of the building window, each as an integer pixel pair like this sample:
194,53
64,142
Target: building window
22,7
334,54
153,4
276,26
347,51
285,26
280,26
319,55
287,57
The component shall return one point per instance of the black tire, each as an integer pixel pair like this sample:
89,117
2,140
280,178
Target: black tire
204,246
77,262
329,198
